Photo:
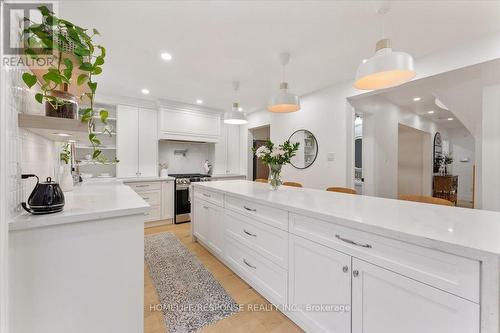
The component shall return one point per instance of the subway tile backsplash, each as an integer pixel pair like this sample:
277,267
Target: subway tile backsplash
28,152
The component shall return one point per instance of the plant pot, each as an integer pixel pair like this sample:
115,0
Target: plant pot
275,176
67,107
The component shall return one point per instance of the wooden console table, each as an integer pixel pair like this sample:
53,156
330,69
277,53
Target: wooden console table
445,187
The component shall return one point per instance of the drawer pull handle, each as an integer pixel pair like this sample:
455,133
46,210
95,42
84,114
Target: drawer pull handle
142,186
368,246
207,195
205,207
145,198
249,265
250,209
355,273
249,233
345,269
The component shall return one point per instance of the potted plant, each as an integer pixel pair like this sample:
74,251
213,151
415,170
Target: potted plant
444,160
65,178
275,157
77,60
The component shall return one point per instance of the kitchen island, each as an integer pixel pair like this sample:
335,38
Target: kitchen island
80,270
336,262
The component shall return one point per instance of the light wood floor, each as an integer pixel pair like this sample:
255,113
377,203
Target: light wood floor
245,321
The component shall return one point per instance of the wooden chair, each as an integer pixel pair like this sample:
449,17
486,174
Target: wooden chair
294,184
342,190
261,180
426,199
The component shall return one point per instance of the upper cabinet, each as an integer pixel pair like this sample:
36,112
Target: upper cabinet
227,151
137,142
188,125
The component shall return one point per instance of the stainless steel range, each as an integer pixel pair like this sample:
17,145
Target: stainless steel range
182,201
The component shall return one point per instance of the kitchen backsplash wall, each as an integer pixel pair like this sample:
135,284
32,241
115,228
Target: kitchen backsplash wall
196,155
28,152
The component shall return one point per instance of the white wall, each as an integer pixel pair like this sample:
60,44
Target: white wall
462,147
411,144
193,162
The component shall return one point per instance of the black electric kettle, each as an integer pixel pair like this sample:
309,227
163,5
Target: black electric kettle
46,198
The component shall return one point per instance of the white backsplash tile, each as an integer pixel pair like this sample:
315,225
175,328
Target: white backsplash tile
28,152
197,154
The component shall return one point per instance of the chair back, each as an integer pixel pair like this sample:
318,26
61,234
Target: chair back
342,190
294,184
261,180
426,199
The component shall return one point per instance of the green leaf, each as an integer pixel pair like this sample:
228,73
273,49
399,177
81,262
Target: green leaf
86,66
52,76
44,10
103,50
95,31
82,78
51,20
97,70
92,86
68,63
96,154
82,51
104,115
29,79
99,61
39,98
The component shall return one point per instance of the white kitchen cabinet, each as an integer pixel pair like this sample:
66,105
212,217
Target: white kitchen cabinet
180,123
383,301
227,150
319,276
167,204
136,142
209,226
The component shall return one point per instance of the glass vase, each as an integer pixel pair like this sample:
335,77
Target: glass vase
275,176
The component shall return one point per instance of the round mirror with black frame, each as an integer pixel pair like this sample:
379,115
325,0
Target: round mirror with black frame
308,149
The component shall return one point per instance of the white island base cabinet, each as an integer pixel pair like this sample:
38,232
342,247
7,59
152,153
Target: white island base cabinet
329,277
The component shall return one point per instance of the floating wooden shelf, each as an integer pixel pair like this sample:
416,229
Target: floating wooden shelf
51,127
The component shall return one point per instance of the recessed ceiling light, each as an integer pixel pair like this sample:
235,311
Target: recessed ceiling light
199,101
416,99
166,56
62,134
450,118
430,111
240,109
145,91
364,60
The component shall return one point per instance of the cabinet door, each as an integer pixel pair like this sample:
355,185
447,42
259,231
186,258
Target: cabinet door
200,221
319,277
233,149
221,152
383,301
167,200
127,141
215,229
148,143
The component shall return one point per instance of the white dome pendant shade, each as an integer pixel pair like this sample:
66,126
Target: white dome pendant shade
235,116
284,101
385,69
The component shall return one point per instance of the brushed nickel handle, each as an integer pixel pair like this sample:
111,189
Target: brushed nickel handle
367,246
249,265
142,186
205,207
250,209
345,269
355,273
249,233
145,198
207,195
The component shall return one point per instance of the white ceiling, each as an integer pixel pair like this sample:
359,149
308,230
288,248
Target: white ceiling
216,42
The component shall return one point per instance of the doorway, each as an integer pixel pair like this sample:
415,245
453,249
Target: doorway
259,137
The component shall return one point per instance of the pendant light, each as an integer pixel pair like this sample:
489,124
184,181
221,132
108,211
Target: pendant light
235,116
284,101
385,68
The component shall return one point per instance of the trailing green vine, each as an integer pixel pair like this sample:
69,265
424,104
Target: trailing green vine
59,38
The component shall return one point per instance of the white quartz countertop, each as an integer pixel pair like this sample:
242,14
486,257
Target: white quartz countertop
445,227
220,176
147,179
88,201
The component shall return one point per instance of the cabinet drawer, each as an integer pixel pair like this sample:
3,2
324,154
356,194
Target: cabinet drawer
451,273
154,214
265,276
270,242
145,186
151,197
266,214
210,196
